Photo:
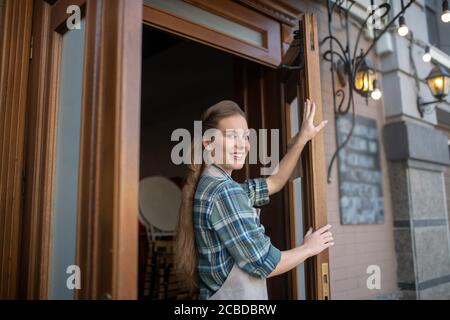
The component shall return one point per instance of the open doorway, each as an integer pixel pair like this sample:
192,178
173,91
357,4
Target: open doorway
180,79
107,196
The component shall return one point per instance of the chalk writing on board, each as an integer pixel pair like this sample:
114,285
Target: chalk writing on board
360,180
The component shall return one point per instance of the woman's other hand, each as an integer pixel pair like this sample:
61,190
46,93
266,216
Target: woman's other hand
313,244
316,242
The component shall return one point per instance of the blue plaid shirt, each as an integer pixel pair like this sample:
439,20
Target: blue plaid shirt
228,231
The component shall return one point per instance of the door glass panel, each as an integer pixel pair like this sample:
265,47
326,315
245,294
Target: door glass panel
208,19
297,192
64,213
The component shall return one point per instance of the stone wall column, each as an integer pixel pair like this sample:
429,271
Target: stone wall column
418,156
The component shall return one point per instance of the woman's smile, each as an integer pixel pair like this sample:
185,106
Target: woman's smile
239,156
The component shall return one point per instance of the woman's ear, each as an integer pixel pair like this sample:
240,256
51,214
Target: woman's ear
206,144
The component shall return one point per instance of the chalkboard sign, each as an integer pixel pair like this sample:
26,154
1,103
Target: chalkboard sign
360,180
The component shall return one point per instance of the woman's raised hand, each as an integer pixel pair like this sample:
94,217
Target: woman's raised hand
308,130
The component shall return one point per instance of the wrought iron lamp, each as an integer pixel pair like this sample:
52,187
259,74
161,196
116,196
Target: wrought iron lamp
438,81
365,78
350,67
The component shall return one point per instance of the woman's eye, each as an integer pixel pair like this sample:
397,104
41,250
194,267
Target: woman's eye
232,135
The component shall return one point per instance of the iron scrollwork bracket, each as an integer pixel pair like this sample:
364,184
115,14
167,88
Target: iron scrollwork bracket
344,59
299,44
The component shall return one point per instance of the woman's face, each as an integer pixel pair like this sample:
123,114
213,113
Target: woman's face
234,142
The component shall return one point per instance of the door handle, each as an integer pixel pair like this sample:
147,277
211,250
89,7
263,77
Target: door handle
325,282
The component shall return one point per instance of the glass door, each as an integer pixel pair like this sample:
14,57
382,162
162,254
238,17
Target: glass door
67,163
82,164
307,187
295,190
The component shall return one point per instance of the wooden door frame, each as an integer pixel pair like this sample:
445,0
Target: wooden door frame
314,197
268,54
14,54
109,152
314,200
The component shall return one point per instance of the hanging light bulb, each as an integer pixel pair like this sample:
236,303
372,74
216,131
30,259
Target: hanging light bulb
402,27
445,17
376,93
427,56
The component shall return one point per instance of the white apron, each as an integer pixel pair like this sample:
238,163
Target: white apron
239,285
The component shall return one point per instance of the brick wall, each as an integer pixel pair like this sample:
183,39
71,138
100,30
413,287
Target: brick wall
358,246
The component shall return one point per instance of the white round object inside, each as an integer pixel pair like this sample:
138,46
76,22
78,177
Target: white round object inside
159,202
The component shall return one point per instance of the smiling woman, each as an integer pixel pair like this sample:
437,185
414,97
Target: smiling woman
226,254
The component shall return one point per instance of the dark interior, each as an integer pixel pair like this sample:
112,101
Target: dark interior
180,79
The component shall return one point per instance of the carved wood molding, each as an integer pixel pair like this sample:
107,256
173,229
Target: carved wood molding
280,11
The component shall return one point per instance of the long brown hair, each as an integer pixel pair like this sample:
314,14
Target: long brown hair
185,251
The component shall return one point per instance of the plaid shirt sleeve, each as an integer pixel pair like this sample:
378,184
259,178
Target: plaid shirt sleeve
238,227
257,191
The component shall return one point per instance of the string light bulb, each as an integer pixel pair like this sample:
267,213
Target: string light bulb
402,27
376,93
427,56
445,17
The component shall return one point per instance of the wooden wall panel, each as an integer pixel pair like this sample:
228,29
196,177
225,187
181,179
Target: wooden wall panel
35,236
15,49
108,240
109,159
